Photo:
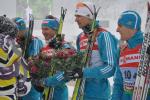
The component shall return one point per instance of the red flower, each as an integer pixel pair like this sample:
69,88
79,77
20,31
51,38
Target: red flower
34,69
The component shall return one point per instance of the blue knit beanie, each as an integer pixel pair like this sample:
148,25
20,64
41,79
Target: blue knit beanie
50,23
20,23
130,19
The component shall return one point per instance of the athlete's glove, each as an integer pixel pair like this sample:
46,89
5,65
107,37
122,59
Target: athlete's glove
75,73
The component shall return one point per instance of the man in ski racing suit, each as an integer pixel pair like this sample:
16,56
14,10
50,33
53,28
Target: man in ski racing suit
35,45
57,81
103,57
129,27
14,75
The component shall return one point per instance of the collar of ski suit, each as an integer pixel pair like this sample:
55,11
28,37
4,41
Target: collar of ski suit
135,40
87,29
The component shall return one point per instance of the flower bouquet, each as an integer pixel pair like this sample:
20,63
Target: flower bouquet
59,60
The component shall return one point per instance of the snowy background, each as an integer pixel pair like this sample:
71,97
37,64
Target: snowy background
109,13
108,16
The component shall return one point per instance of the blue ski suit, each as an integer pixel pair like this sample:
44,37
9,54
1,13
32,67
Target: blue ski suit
125,73
34,48
103,63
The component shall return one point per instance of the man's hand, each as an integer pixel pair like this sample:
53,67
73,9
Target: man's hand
75,73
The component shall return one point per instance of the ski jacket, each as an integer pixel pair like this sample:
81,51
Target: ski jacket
12,66
125,75
103,63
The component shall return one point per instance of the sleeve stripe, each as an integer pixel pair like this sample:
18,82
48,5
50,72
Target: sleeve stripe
109,54
35,47
60,77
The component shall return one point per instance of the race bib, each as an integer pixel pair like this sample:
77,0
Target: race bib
129,77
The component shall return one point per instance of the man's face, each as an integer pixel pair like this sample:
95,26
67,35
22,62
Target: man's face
48,33
125,33
82,21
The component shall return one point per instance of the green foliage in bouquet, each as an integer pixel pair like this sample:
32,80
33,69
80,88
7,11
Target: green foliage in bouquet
64,64
40,68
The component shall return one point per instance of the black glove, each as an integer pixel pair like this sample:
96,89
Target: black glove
75,73
78,72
